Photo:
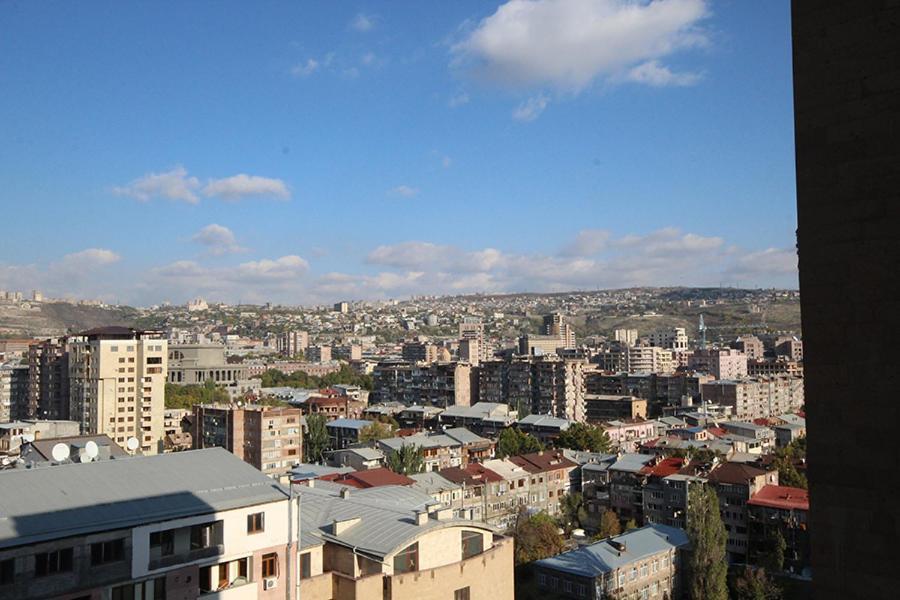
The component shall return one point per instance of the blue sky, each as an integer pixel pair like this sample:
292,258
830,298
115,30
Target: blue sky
303,152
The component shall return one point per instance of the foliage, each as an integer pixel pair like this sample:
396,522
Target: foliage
609,525
537,536
375,431
754,584
317,439
784,461
630,524
774,560
573,513
708,567
408,460
299,379
581,436
513,442
186,396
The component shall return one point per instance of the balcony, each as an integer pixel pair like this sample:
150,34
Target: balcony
240,589
186,557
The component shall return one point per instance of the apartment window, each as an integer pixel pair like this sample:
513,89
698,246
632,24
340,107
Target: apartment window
48,563
407,560
305,566
472,544
270,565
461,594
113,348
256,522
154,360
164,541
7,571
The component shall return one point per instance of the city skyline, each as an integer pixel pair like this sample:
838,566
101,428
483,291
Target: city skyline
308,154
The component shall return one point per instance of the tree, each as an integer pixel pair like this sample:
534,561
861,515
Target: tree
754,584
609,525
774,559
317,439
581,436
573,514
408,460
785,463
513,442
375,431
186,396
630,524
537,536
707,567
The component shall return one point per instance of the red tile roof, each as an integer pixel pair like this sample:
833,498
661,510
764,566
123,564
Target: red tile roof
369,478
473,474
541,462
781,496
665,467
735,473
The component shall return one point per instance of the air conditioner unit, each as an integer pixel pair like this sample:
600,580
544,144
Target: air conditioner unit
270,583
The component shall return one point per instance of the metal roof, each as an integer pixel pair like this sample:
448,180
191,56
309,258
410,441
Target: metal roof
602,557
47,503
348,423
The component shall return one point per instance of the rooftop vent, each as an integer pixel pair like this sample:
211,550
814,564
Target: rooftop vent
345,493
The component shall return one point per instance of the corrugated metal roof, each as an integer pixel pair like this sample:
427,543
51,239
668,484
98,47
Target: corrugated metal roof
75,499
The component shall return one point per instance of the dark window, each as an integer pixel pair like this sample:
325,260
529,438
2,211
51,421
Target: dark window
164,540
7,571
48,563
256,522
270,565
472,544
305,565
202,536
154,360
123,592
107,552
461,594
407,560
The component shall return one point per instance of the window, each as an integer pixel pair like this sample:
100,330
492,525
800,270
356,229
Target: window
472,544
152,589
270,565
407,560
305,565
256,522
107,552
163,542
461,594
7,571
203,536
48,563
154,360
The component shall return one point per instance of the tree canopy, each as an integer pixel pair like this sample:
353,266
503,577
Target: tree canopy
537,536
376,431
584,437
408,460
317,439
186,396
513,442
708,565
609,525
785,458
754,584
299,379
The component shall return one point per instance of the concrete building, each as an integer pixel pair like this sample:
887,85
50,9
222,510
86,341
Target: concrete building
117,379
419,351
735,484
770,367
600,408
292,343
342,307
348,352
396,543
545,428
784,510
642,563
471,328
629,337
437,384
470,351
750,345
318,354
48,379
269,438
790,347
345,432
649,359
555,325
673,338
184,525
13,392
758,397
15,433
721,363
195,364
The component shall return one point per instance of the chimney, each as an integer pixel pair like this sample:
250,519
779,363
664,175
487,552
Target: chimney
421,517
345,493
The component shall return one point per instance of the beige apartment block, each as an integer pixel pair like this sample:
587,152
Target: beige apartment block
117,379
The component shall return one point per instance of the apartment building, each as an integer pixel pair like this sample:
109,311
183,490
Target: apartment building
437,384
672,338
777,509
642,563
545,428
48,379
13,392
751,346
454,447
735,484
344,433
649,359
471,328
292,343
318,354
269,438
790,347
486,418
396,543
549,479
629,337
768,367
721,363
117,379
182,525
627,434
756,397
419,351
600,408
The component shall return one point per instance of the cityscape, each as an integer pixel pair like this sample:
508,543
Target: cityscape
506,300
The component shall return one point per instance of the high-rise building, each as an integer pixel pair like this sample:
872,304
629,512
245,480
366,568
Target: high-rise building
48,379
471,328
789,346
13,392
628,337
292,343
673,338
756,397
342,307
318,354
470,351
117,379
555,325
649,359
750,345
721,363
419,351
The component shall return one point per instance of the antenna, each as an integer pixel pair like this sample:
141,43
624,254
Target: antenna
132,444
60,452
91,449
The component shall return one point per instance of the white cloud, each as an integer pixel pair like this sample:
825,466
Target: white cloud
588,242
173,185
305,69
530,109
657,75
91,257
241,185
459,99
218,239
764,266
362,23
405,191
568,44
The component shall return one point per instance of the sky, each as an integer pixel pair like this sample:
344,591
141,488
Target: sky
308,152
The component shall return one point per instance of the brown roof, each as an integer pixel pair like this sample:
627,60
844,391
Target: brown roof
473,474
735,473
540,462
370,478
781,496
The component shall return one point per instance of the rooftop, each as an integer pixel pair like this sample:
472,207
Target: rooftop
781,496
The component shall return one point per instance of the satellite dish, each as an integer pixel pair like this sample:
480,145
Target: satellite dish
60,452
132,444
5,461
84,458
28,437
91,449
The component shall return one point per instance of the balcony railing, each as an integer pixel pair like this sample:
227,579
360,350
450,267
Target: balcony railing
186,557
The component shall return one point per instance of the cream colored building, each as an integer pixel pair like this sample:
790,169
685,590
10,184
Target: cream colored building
649,359
117,384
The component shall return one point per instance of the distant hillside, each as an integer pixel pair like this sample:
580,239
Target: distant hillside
57,318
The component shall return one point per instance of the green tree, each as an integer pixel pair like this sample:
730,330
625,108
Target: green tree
513,442
754,584
785,463
317,439
375,431
186,396
708,565
573,513
537,536
774,559
408,460
609,525
630,524
581,436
